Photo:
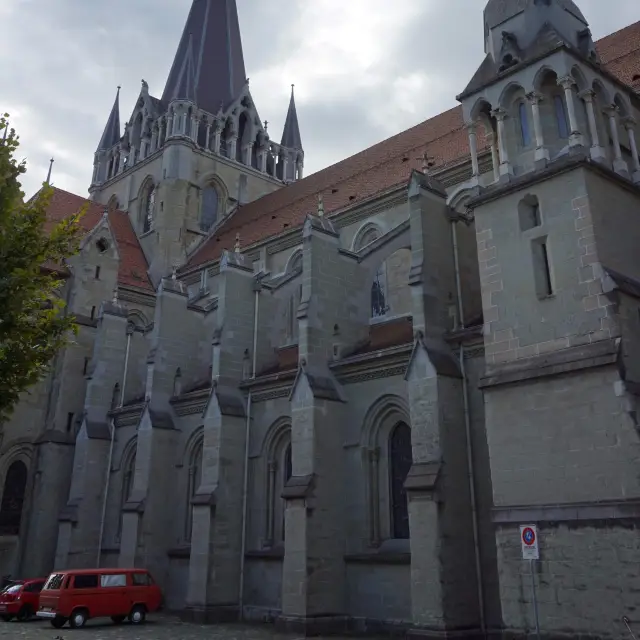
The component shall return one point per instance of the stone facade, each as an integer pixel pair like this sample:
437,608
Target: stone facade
340,420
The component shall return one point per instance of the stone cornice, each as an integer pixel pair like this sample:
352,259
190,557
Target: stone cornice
190,403
128,415
137,296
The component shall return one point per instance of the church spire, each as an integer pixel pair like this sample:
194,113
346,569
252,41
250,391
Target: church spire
291,133
111,134
186,87
211,38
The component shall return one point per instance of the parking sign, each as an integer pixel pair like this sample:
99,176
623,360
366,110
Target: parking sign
529,542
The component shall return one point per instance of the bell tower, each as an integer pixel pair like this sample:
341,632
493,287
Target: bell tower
187,160
557,222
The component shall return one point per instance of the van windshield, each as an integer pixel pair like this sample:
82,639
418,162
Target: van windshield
54,581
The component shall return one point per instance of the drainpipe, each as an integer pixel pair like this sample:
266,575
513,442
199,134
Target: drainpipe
245,489
467,426
112,425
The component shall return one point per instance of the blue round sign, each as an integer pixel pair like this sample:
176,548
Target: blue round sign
528,536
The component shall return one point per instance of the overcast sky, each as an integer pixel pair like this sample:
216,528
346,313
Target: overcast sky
363,69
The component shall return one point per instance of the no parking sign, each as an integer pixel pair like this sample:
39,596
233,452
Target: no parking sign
529,542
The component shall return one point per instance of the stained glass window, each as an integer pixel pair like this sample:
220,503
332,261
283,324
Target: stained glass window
209,211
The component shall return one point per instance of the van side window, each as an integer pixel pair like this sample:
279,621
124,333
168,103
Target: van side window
85,581
54,581
141,579
113,580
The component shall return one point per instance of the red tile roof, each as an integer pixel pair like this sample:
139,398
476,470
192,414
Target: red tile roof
132,270
380,167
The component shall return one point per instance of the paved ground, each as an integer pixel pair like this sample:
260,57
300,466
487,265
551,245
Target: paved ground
157,629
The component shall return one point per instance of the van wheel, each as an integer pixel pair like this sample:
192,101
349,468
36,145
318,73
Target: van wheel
118,619
25,613
7,618
138,614
78,619
58,622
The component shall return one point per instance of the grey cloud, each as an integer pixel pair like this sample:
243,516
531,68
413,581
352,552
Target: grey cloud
62,61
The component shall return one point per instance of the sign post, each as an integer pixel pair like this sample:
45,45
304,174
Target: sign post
531,552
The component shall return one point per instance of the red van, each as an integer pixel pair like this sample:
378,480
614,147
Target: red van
77,595
20,600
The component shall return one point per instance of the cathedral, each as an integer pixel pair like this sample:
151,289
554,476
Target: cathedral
331,402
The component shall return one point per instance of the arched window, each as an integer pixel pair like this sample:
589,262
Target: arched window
278,474
15,486
286,476
149,207
195,479
400,459
209,208
365,237
127,486
525,133
561,117
379,306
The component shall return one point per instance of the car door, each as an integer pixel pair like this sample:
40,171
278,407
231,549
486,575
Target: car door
115,594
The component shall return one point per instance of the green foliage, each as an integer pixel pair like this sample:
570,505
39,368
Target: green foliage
34,325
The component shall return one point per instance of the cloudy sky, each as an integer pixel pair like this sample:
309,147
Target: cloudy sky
363,69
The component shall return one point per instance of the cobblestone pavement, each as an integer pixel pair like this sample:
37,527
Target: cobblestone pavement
158,628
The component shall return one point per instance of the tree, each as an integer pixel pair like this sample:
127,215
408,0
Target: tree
34,324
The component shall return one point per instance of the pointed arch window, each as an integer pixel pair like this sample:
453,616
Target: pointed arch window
127,487
195,479
15,486
525,132
561,116
279,471
209,208
379,306
149,208
400,459
287,469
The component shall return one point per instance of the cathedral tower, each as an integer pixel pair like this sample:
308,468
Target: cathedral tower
187,160
557,232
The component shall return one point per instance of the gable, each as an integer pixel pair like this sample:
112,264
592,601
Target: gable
132,268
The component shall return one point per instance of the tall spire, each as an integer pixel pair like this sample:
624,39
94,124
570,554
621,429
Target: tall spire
186,87
291,134
212,34
111,134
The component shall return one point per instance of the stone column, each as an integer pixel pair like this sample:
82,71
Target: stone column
154,139
619,164
285,165
506,170
169,128
541,153
629,124
195,128
121,160
262,160
274,171
207,142
491,140
217,137
473,147
246,153
300,170
144,143
575,137
233,147
597,152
